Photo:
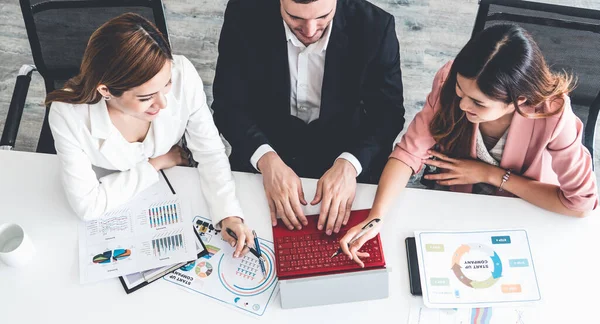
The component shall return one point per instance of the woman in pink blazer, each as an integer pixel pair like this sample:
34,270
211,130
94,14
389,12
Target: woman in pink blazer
503,124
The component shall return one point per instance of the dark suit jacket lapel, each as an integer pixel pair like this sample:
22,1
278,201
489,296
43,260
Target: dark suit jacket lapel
280,68
335,59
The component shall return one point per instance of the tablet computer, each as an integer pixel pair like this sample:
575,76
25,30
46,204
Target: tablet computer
413,266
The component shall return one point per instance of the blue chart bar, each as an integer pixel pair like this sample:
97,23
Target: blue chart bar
164,246
163,215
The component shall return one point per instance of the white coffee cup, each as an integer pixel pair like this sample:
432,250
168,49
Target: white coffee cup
16,249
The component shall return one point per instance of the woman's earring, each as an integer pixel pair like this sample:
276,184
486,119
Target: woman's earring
106,97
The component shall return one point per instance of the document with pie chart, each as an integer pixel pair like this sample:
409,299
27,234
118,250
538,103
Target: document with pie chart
474,269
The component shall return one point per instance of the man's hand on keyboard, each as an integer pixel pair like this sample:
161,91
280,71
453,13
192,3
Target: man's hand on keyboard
335,192
351,249
284,191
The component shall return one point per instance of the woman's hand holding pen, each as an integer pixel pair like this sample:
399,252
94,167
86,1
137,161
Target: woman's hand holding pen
350,248
243,233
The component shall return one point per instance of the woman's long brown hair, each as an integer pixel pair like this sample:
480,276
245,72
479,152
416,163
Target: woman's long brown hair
507,65
123,53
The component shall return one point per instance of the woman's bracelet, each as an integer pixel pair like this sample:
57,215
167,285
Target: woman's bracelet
505,178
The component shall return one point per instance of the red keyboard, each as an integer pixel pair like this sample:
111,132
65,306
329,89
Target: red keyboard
307,252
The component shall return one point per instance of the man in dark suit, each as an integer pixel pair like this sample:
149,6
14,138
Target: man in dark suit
309,88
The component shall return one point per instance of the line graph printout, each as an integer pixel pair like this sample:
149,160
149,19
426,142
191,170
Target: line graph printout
474,269
150,231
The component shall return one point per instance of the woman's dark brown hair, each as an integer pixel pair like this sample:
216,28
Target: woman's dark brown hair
506,64
124,53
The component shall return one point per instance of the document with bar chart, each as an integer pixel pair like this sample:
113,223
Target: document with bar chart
150,231
475,269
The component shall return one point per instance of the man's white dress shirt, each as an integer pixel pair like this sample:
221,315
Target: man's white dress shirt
307,66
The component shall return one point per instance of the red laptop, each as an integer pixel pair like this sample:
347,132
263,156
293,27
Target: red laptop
307,252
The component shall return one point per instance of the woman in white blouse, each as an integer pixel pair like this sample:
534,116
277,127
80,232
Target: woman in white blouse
127,109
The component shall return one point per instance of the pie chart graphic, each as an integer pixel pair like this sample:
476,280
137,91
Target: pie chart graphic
204,269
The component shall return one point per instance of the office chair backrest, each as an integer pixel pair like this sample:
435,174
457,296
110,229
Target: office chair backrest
568,37
58,32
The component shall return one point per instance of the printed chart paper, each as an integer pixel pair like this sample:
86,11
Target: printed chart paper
476,269
150,231
490,315
238,282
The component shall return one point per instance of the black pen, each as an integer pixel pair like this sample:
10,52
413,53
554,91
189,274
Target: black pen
362,232
252,250
260,260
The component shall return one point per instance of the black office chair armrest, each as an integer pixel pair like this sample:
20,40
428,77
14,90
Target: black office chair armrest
590,127
15,110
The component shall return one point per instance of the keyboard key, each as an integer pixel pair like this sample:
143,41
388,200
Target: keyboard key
284,246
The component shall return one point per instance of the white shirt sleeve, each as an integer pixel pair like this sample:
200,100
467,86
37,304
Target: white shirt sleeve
89,197
260,151
353,160
208,150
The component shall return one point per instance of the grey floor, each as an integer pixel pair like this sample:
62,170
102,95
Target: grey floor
430,32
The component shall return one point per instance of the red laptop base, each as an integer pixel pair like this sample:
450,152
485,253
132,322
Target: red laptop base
307,252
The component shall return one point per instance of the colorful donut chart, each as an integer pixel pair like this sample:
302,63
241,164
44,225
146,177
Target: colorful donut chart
458,272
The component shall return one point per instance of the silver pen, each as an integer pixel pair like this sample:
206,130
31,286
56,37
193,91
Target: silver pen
362,232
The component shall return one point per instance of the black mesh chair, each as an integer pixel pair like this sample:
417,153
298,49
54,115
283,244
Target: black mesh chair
58,32
569,39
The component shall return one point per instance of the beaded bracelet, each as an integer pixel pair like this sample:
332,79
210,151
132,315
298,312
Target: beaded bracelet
505,178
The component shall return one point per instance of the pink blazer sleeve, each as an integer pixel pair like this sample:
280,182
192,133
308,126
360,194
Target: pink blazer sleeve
413,146
572,163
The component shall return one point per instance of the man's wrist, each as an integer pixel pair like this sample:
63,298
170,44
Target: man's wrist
347,165
353,160
266,160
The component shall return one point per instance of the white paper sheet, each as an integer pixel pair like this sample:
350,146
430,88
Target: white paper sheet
151,231
474,269
492,315
237,282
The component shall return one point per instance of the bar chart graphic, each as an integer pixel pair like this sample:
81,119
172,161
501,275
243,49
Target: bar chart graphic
164,214
167,245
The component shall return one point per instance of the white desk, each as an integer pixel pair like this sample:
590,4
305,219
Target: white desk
566,253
